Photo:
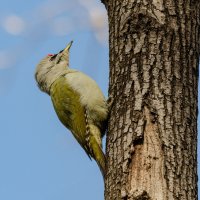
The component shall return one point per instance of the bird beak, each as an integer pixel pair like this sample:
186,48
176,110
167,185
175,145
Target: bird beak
68,46
65,53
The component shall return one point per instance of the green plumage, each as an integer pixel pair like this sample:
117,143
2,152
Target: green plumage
71,113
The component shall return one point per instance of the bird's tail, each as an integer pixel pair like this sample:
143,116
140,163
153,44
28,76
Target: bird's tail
97,152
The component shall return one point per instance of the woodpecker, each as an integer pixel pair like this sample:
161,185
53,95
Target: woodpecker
78,101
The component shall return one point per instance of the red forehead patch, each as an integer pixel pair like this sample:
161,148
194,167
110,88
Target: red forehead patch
50,54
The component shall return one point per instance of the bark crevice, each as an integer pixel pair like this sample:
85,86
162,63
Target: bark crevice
148,162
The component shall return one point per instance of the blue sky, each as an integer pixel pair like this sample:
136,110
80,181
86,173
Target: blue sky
40,160
39,157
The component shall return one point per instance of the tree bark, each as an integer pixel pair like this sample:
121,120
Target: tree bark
152,133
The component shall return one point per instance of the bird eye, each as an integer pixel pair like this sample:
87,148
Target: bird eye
50,54
53,57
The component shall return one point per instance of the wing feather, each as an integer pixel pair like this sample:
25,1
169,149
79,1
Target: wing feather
71,113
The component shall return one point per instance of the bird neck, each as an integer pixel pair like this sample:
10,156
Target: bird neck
49,77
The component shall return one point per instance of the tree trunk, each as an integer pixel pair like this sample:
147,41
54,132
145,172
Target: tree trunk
152,135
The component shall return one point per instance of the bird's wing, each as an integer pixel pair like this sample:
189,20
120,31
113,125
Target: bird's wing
71,113
92,98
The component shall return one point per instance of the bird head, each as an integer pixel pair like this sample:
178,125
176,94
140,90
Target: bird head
51,67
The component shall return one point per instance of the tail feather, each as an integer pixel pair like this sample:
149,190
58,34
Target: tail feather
93,140
98,155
